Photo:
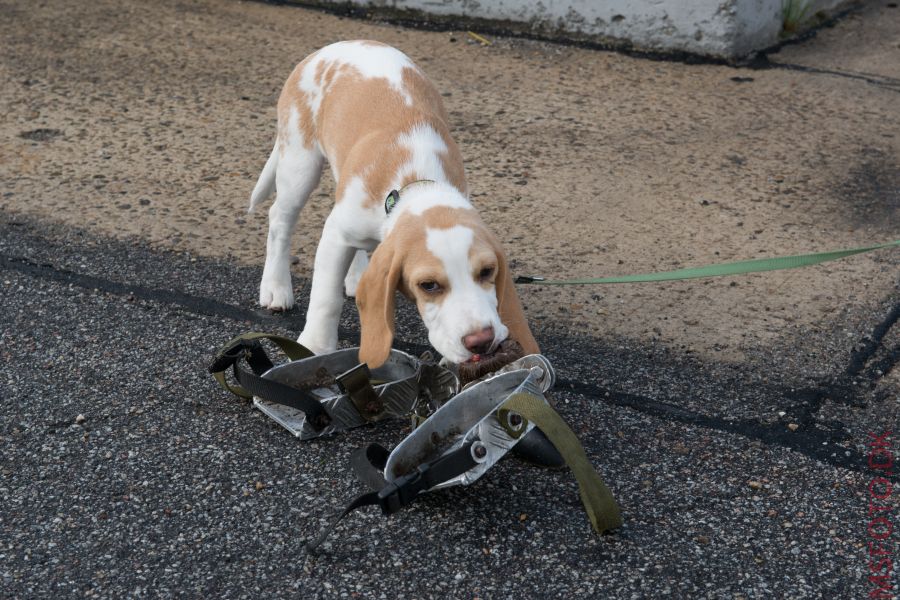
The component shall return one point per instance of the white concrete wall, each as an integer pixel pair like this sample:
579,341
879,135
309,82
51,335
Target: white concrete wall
725,28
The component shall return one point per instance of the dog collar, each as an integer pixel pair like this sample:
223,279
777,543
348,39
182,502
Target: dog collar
391,201
394,196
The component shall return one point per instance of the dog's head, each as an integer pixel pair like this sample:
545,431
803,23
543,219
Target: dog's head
445,260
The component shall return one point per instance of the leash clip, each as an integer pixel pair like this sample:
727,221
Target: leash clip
528,279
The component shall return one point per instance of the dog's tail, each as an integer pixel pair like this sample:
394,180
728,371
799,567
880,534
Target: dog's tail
265,185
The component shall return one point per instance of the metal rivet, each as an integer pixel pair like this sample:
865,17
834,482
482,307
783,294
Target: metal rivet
479,450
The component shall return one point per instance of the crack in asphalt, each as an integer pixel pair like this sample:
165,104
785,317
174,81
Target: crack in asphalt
888,83
814,439
884,366
862,356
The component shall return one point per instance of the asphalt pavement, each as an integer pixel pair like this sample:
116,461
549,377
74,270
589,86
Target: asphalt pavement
731,417
128,472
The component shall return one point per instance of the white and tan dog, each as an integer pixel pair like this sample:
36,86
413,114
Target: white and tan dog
380,123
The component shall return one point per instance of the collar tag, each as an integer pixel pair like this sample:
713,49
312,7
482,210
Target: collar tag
391,201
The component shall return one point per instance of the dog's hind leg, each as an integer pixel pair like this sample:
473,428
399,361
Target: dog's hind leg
354,274
296,172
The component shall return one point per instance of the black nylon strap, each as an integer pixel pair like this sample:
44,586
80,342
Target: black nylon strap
273,391
268,389
404,490
369,499
258,359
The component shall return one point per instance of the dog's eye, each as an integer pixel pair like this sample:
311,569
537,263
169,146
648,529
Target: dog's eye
430,287
486,274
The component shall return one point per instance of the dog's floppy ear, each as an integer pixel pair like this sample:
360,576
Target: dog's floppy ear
509,307
375,301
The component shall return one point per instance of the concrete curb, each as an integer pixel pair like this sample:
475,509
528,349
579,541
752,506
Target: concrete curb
693,32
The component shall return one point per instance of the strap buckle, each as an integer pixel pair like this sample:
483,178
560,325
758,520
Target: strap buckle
402,491
357,385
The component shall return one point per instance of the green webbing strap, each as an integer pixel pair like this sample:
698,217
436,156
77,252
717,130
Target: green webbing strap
598,501
733,268
234,389
291,349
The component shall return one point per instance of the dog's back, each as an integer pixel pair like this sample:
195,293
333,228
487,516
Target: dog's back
348,101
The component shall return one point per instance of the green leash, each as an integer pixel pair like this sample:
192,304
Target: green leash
598,501
733,268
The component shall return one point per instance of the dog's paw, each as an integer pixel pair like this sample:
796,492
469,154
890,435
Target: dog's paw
317,342
355,273
350,285
276,296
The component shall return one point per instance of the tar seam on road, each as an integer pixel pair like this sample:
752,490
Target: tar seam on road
814,441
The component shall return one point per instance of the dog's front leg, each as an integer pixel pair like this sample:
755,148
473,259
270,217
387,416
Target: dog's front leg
326,299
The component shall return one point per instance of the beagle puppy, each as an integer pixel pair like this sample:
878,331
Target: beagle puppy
379,122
